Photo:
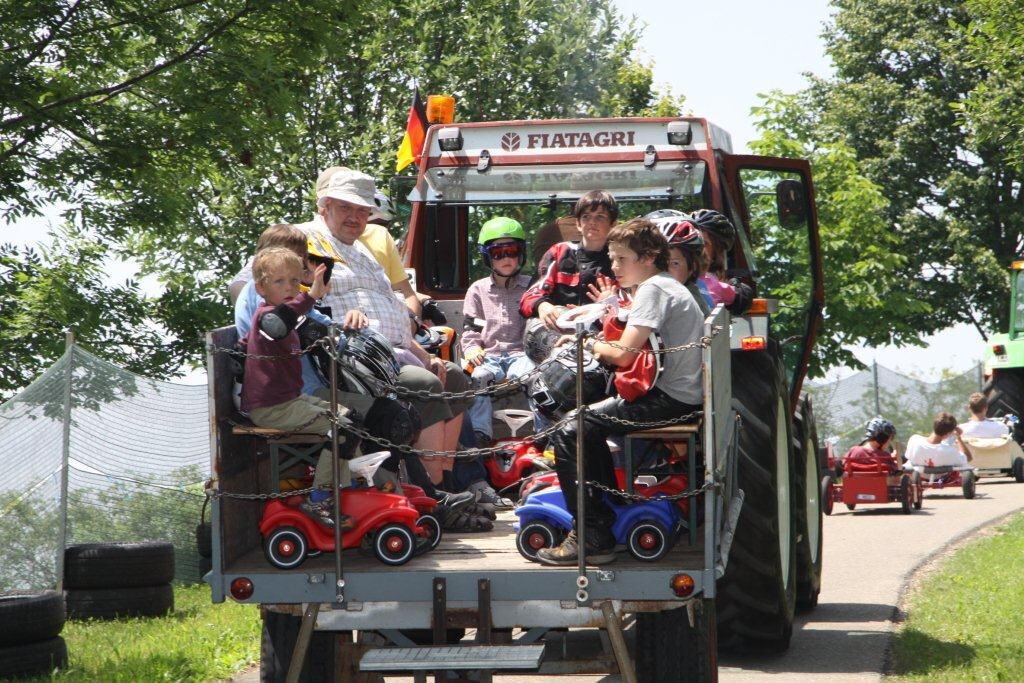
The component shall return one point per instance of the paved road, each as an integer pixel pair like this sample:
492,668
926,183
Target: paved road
869,555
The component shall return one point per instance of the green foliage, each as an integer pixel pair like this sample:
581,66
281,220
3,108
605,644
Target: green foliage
964,623
995,108
954,202
177,131
867,301
198,641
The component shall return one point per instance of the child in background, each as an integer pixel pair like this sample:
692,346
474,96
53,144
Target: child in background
719,237
686,261
878,434
272,391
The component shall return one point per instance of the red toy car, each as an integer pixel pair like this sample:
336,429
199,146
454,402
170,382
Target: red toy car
521,459
872,483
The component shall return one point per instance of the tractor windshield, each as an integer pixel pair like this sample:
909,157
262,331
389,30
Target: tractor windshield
1018,301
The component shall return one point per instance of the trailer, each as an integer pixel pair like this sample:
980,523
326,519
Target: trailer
737,573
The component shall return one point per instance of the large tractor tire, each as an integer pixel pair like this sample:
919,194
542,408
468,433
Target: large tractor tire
808,507
670,650
279,634
1005,393
757,595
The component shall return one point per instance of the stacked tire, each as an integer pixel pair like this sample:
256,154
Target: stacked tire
30,626
116,580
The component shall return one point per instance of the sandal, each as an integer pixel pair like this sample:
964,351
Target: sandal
459,520
481,510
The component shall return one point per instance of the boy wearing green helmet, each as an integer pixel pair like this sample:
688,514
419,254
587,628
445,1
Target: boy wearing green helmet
492,341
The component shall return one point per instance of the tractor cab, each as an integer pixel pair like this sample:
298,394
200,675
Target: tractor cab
534,171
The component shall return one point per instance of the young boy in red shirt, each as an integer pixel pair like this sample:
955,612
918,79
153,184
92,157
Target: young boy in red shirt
878,433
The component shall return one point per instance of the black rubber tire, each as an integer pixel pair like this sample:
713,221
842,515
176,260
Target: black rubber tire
669,650
277,643
968,485
827,503
272,551
1018,469
757,596
397,533
116,603
906,495
851,506
27,616
33,659
918,490
542,529
655,554
807,515
204,539
1005,393
434,527
118,565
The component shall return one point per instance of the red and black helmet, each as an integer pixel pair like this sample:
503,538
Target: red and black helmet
680,232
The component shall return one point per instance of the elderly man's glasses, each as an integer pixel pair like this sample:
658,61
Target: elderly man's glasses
500,251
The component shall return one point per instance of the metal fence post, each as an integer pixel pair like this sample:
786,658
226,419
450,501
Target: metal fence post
874,368
69,344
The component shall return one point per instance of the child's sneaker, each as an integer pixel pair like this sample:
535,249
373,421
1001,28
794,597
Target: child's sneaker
485,494
323,512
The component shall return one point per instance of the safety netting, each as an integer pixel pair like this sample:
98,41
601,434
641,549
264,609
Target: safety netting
135,451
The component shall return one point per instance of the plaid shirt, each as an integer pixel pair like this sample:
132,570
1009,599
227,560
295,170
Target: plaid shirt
359,282
492,320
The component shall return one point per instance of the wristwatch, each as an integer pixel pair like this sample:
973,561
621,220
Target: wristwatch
588,346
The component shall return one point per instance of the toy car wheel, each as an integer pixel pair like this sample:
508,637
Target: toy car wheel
648,541
968,484
918,490
433,528
535,536
851,506
827,487
906,495
286,547
1018,470
394,544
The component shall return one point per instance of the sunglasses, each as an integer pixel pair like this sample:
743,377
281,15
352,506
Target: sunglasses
500,251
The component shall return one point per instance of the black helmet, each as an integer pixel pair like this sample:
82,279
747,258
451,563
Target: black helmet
716,224
879,429
539,340
554,390
366,353
395,420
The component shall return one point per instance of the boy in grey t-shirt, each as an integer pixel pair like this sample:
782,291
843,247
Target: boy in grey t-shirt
639,256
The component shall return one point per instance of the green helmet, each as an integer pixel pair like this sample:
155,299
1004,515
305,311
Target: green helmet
501,227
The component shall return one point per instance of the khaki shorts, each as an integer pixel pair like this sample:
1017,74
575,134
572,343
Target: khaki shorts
433,411
306,413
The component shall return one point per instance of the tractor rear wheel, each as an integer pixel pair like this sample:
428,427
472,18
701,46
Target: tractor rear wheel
808,507
670,650
1005,393
757,595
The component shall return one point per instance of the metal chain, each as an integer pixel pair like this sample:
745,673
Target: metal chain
702,343
640,498
217,493
690,417
325,342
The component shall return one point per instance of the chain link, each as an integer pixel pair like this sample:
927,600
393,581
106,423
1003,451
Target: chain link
702,343
217,493
640,498
325,342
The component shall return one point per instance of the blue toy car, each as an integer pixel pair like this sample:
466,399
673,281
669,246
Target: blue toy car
648,530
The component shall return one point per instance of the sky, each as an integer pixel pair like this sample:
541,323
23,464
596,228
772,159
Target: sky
720,56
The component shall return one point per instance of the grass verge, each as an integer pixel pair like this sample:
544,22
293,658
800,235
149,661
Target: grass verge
199,641
964,621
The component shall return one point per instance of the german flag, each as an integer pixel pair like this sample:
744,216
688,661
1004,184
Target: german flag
415,131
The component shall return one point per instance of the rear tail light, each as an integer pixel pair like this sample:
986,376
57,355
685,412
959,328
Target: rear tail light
999,350
753,343
758,307
241,588
682,585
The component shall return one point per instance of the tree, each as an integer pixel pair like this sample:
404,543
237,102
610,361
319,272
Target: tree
176,132
953,199
995,108
866,300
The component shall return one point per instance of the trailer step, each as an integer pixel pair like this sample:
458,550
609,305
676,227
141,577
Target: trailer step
452,657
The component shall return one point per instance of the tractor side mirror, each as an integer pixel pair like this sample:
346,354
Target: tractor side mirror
791,203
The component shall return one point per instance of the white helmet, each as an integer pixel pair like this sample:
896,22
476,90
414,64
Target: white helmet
383,210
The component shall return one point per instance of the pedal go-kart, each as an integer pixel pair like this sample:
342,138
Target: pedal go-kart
521,459
874,484
386,523
648,530
947,476
998,456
